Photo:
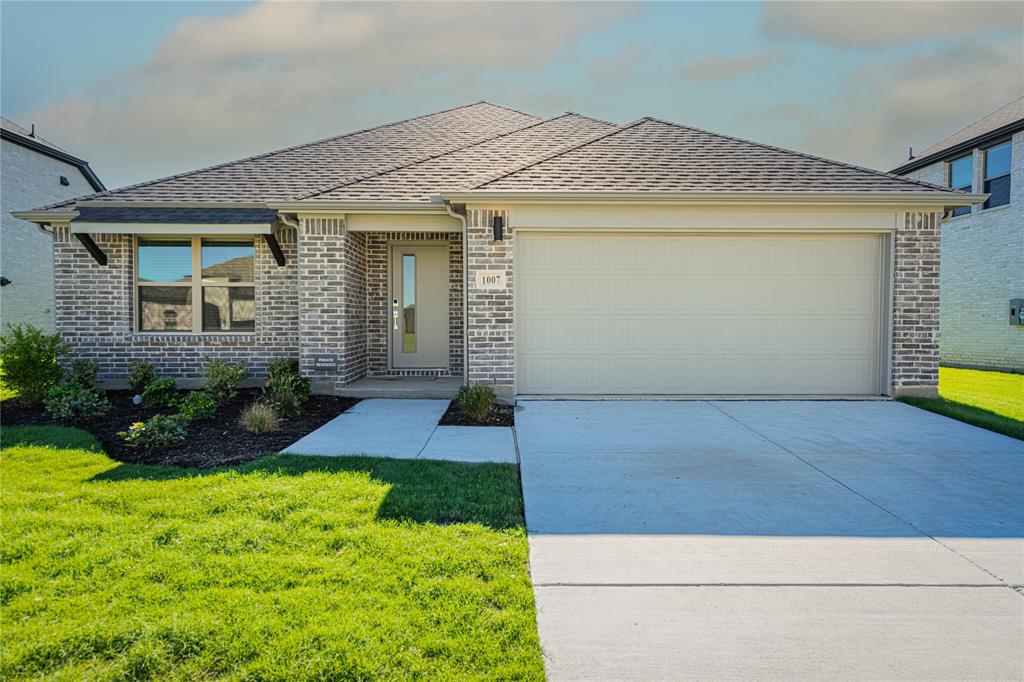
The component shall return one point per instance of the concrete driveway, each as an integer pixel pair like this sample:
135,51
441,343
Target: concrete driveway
779,540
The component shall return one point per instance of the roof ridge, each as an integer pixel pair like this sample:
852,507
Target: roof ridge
502,106
268,154
805,155
399,167
565,149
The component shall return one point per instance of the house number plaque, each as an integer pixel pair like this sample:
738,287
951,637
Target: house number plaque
490,280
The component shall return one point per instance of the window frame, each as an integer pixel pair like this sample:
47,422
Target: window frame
985,179
960,210
197,284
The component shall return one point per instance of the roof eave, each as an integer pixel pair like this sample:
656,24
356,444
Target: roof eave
931,198
45,217
313,206
960,148
81,164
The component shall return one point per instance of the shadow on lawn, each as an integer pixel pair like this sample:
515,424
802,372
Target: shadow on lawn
420,491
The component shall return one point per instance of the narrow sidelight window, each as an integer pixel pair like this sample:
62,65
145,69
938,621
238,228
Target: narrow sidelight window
172,299
997,175
961,176
409,303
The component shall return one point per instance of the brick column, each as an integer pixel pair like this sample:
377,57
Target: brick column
332,301
915,305
491,320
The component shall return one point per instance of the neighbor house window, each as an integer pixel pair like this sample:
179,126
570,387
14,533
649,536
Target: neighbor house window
961,176
997,175
172,299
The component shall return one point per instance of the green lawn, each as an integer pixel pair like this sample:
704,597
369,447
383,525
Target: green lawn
286,568
991,400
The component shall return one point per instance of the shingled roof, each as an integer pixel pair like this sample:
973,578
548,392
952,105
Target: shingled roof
1003,121
484,147
651,155
297,171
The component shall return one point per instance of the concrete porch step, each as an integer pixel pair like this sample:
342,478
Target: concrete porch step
403,387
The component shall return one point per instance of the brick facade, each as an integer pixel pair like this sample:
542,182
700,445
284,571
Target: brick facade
915,305
378,300
982,256
491,319
95,312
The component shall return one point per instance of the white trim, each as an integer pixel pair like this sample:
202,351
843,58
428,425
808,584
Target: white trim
379,222
923,198
45,217
333,208
171,228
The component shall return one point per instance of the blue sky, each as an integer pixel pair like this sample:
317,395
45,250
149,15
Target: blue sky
148,89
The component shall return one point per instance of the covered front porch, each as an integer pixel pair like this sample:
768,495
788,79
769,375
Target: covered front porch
434,387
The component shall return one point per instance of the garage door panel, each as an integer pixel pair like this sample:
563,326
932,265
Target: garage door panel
743,314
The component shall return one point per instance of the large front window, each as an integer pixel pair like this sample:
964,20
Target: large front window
172,299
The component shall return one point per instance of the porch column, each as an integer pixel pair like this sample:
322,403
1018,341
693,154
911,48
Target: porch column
332,303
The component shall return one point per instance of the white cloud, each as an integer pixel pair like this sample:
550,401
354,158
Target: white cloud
280,73
864,25
889,106
722,66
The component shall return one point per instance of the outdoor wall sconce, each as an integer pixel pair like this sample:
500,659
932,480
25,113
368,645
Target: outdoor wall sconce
499,227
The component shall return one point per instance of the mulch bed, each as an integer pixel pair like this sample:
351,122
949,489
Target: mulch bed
217,442
500,415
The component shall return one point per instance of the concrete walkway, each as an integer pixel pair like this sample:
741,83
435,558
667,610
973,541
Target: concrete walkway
406,429
772,540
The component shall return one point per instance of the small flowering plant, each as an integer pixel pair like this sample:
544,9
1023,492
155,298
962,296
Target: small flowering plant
159,432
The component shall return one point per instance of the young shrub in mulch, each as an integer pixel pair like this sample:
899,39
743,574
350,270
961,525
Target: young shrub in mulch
86,374
285,389
140,375
476,400
73,402
160,393
31,361
197,406
222,379
259,418
160,431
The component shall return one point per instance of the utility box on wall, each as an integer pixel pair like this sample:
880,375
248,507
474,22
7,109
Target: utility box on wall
1016,314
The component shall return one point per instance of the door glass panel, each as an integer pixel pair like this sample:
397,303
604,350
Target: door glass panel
165,309
227,260
409,303
229,309
165,260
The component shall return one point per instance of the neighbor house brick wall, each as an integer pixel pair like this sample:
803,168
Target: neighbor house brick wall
30,179
491,320
915,304
379,302
332,301
95,312
982,268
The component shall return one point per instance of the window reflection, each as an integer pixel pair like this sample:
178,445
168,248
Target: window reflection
409,303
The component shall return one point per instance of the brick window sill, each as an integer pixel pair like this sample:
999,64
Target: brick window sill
193,339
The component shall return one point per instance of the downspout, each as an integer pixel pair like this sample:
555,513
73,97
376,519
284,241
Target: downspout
465,289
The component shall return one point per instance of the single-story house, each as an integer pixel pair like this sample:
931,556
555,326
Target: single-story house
981,286
563,256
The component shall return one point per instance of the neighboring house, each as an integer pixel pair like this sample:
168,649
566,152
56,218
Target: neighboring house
33,171
558,256
982,246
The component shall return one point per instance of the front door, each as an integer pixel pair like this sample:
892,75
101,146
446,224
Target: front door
419,307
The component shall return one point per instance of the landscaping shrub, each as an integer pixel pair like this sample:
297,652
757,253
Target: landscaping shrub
259,418
197,406
158,432
86,373
279,366
222,379
285,390
476,400
160,393
140,375
31,361
73,402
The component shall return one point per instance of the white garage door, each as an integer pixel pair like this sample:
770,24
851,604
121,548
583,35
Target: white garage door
694,314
